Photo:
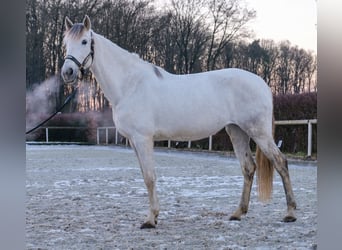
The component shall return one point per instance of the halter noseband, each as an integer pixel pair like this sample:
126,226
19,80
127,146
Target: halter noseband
85,61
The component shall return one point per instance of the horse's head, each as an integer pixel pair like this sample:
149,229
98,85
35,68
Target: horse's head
79,49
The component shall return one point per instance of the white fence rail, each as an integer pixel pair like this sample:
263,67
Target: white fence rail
277,123
55,127
117,136
106,129
302,122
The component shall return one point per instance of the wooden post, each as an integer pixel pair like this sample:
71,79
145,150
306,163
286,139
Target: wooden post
47,134
309,138
210,142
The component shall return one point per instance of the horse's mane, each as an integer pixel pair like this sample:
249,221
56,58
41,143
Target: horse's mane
148,65
77,30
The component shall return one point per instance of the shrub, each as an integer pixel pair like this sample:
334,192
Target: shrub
294,137
295,107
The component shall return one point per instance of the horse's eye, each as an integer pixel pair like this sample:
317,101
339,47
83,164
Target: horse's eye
84,42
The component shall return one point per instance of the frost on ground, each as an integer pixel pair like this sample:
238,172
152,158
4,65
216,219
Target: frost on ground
94,197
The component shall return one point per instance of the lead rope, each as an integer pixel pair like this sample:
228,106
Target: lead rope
67,100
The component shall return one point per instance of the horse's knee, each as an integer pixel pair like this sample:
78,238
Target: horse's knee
248,173
150,180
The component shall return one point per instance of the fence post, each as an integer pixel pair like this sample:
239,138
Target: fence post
106,136
309,138
210,142
189,144
47,134
169,144
97,135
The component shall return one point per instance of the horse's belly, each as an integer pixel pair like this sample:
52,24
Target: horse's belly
183,130
191,119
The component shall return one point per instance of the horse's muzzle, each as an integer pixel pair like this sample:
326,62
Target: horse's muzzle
69,74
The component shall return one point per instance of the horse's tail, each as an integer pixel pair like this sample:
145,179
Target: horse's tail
264,173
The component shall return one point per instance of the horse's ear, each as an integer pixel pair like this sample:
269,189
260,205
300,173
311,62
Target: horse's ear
68,23
86,22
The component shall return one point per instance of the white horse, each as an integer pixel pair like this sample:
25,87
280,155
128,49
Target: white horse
151,104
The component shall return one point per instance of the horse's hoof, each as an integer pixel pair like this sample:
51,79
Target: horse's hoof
289,218
147,225
234,217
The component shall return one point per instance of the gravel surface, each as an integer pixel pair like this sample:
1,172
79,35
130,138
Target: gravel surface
94,197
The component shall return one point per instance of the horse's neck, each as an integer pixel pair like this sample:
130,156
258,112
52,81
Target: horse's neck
113,68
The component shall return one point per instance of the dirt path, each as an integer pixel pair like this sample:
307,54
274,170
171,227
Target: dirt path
93,197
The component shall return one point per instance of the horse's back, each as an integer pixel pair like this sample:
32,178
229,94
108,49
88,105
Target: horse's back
229,89
238,79
197,105
228,79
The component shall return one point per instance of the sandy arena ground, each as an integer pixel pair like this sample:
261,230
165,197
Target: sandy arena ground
94,197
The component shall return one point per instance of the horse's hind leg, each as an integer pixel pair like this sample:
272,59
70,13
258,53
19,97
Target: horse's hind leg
270,149
242,151
143,147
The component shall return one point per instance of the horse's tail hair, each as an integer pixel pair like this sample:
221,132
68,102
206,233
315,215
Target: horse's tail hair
264,173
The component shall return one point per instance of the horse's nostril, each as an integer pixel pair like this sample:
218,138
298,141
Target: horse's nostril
69,72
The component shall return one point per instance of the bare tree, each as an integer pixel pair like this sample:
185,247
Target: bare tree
255,57
284,67
163,49
188,33
310,74
300,63
227,21
190,36
35,31
269,61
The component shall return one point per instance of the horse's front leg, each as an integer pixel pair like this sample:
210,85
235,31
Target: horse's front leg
143,147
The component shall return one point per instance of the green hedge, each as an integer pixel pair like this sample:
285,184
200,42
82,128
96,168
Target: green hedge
295,107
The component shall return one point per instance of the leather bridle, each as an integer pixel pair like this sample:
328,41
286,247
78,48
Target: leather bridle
82,65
